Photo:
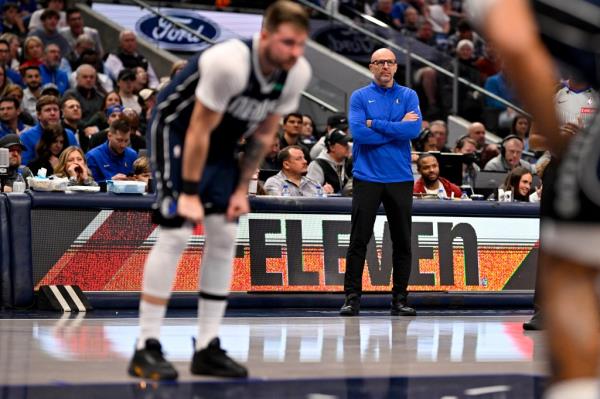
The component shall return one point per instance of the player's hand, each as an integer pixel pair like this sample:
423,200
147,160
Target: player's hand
238,205
569,129
410,117
328,188
190,207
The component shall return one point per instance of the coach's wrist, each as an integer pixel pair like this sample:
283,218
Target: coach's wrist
190,187
369,123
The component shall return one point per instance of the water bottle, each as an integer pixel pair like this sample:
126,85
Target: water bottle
320,192
19,183
285,190
441,192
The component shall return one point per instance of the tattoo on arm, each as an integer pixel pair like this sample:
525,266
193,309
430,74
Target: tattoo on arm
253,154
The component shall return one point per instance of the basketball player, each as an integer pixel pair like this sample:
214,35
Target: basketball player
570,226
233,90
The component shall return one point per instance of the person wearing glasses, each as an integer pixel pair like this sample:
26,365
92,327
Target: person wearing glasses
384,117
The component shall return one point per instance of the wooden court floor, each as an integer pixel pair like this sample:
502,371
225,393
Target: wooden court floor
304,354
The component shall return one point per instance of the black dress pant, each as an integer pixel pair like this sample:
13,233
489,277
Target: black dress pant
397,202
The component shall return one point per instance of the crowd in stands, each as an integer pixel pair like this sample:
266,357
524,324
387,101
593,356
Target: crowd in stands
67,106
78,111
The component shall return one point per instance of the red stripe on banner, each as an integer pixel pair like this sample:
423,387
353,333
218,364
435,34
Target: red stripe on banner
95,263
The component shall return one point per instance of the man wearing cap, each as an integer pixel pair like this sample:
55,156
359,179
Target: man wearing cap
125,84
336,121
384,118
86,92
15,148
50,71
49,31
148,97
329,169
48,113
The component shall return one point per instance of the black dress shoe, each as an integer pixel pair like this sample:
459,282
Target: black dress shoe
351,306
535,323
399,308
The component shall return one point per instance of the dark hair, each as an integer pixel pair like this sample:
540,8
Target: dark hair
284,154
419,142
463,25
106,96
12,100
294,114
8,6
422,157
460,143
26,68
282,12
46,100
71,11
120,125
513,126
50,134
512,182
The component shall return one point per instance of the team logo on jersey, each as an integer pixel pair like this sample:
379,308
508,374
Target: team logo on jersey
169,36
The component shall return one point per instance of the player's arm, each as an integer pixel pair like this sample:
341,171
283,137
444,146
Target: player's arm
195,151
510,25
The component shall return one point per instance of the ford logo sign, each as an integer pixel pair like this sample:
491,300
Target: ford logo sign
169,36
344,41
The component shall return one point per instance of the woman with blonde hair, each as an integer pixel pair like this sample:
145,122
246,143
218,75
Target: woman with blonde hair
72,164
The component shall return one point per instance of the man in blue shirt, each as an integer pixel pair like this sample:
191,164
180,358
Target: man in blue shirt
114,159
384,117
48,113
49,70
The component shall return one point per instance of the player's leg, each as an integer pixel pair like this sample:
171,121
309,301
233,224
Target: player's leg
215,281
159,272
572,316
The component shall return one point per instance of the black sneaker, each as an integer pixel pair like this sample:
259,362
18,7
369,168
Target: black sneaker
150,363
535,323
351,306
400,308
214,361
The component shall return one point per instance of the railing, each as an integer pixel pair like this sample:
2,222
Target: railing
333,15
148,7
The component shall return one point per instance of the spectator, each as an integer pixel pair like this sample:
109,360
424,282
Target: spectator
14,48
431,182
464,31
48,149
48,113
113,113
468,147
114,159
72,164
5,62
85,91
470,105
49,31
141,79
4,82
487,64
10,123
476,131
411,22
15,149
33,87
137,139
335,121
329,169
308,130
271,160
521,125
440,131
76,28
148,98
511,150
489,152
142,172
104,83
71,119
519,182
126,86
426,141
99,120
35,21
437,15
292,172
82,43
383,12
33,50
12,21
128,57
50,71
291,135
